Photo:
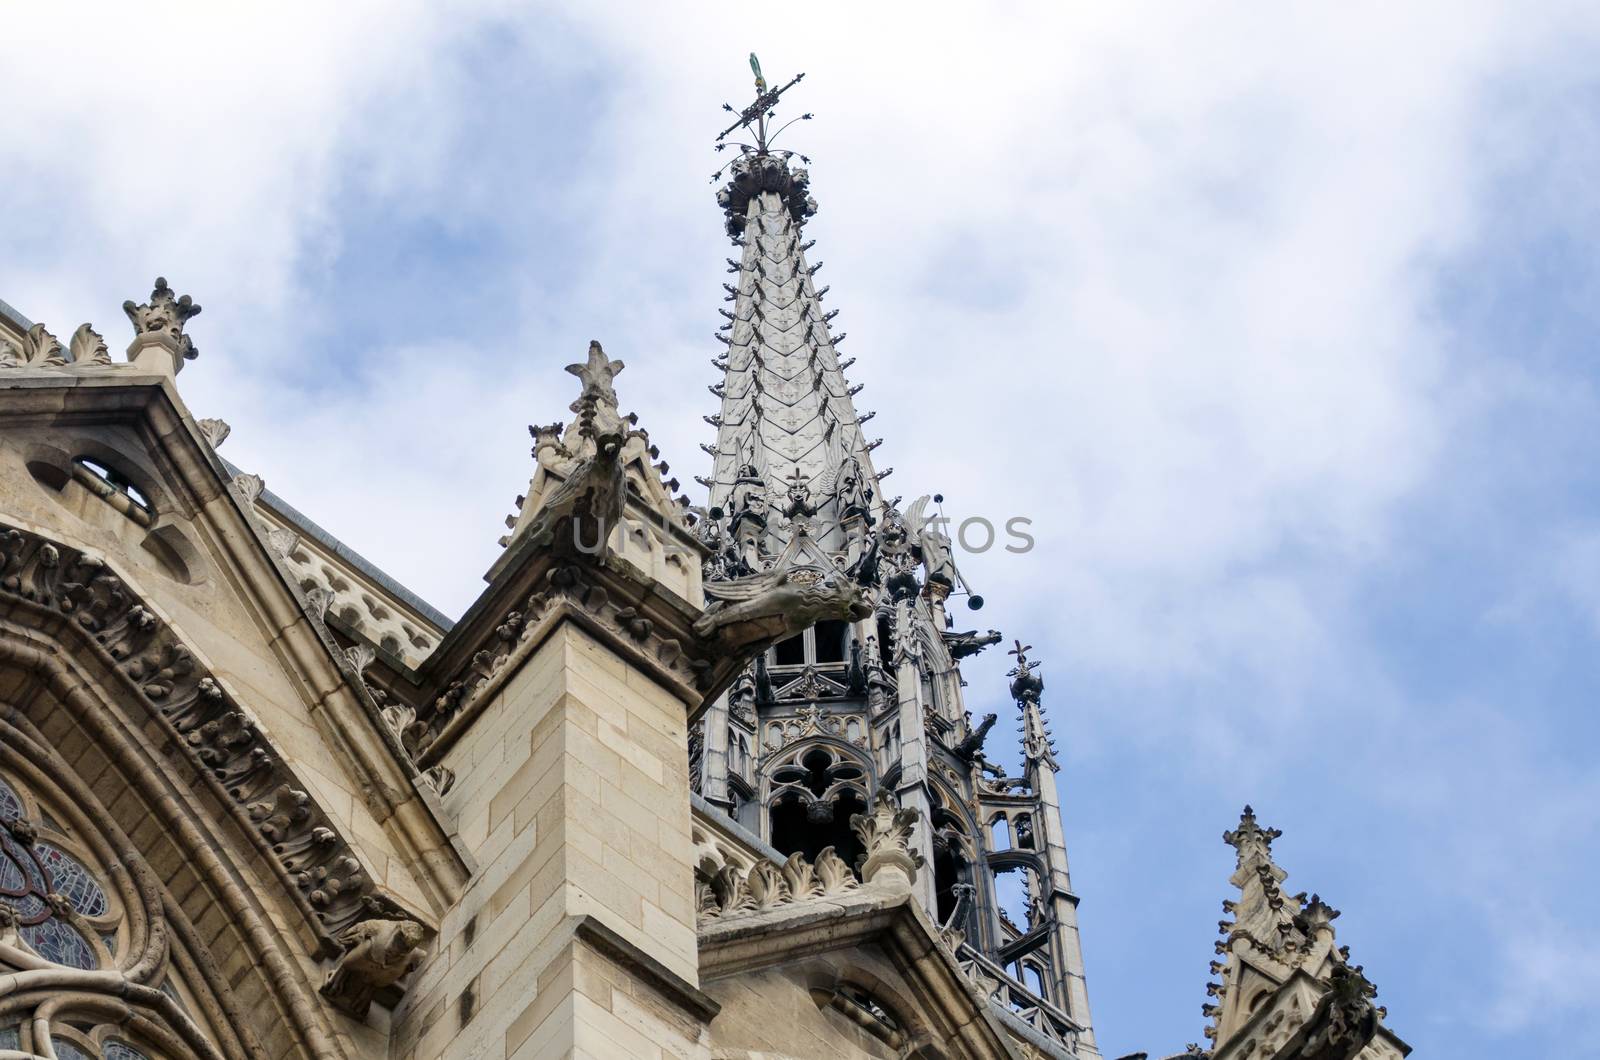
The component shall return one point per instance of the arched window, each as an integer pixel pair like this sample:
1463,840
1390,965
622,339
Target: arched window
1000,833
830,636
952,883
56,904
1012,897
815,791
61,911
825,644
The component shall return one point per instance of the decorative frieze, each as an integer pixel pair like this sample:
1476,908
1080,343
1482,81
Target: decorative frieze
218,735
733,890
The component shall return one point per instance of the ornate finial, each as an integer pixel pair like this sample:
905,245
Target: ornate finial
758,168
888,859
755,116
1026,685
160,321
1250,839
597,374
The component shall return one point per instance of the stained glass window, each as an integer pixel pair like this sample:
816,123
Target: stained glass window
72,881
66,1050
31,872
116,1050
57,941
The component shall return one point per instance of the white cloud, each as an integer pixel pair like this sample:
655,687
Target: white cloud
1160,278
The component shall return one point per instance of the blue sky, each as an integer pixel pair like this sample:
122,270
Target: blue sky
1279,324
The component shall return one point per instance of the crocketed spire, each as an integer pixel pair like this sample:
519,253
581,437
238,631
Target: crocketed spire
1283,983
789,440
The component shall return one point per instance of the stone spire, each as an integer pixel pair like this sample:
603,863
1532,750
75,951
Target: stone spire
1038,749
789,440
1285,988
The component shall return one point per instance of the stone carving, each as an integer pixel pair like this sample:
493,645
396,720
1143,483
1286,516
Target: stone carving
1324,1014
896,556
932,544
961,645
215,431
1344,1021
282,541
164,317
971,746
811,684
752,612
888,859
743,543
564,583
598,374
318,599
39,349
753,174
203,721
88,348
360,656
378,953
249,487
731,891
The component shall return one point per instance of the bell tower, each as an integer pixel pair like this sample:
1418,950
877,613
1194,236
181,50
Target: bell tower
871,699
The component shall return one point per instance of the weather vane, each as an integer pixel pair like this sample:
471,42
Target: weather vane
758,114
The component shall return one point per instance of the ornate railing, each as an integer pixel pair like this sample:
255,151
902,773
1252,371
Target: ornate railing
1008,993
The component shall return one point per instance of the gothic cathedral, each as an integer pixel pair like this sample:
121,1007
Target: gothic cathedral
686,780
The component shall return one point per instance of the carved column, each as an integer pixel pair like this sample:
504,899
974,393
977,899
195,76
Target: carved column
913,789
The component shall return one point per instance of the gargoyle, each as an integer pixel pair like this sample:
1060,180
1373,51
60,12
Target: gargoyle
969,748
377,954
972,642
748,614
1342,1024
595,494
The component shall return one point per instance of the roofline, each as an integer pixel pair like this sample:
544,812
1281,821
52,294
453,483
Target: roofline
365,566
19,321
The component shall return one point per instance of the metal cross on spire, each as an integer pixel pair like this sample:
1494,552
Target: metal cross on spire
756,116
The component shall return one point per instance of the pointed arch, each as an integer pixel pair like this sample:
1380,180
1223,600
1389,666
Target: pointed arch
205,837
810,790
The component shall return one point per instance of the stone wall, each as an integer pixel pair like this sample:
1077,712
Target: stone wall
578,932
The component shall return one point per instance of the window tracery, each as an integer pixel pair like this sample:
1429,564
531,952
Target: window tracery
57,906
814,791
50,898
